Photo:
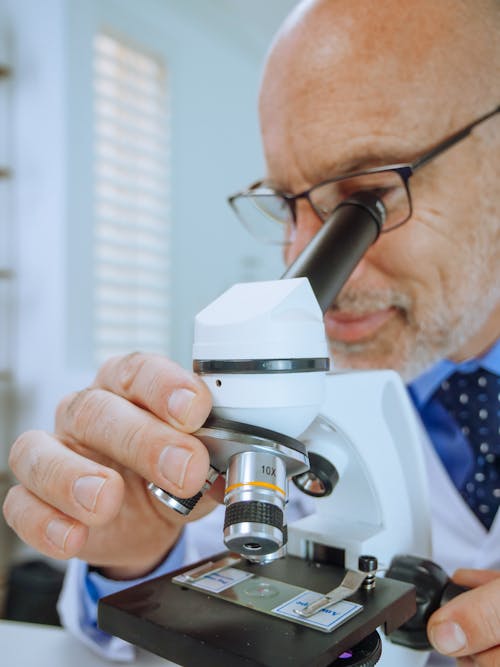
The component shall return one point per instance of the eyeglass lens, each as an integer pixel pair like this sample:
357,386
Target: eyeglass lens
269,216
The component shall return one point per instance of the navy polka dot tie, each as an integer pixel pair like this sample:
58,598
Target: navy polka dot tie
473,401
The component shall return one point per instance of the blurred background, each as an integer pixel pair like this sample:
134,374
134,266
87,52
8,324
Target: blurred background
124,124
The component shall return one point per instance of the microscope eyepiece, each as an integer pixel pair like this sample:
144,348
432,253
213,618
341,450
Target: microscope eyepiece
333,253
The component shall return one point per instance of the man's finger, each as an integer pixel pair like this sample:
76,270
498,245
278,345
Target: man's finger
159,385
489,658
75,485
133,437
41,526
473,578
469,624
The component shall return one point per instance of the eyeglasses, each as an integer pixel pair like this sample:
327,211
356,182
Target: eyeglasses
260,206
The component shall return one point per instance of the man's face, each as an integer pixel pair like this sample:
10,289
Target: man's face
333,101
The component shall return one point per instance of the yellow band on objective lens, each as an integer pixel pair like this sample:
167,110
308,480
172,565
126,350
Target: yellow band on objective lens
266,485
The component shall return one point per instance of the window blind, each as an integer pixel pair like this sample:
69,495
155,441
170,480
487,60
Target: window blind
131,200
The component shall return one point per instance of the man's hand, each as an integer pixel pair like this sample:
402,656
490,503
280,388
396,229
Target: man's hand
83,490
468,627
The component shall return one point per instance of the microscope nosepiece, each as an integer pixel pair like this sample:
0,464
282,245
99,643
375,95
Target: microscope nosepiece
255,499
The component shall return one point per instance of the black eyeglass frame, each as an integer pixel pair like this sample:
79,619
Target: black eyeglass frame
404,170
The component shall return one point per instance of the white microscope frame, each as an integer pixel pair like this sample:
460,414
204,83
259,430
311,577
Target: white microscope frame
368,429
365,425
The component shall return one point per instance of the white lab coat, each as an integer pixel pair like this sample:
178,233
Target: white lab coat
458,537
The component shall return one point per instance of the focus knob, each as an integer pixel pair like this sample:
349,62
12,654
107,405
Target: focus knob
434,589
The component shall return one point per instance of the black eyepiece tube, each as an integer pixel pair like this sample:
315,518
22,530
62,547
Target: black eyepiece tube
332,255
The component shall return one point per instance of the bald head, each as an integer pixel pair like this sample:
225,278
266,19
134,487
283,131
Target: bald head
389,59
419,40
350,85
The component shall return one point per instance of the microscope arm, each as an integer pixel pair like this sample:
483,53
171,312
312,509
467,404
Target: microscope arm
368,430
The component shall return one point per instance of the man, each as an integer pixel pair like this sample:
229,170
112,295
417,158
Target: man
348,86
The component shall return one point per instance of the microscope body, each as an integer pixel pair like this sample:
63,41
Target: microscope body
360,423
350,440
359,428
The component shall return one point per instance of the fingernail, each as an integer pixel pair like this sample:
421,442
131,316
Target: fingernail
86,491
447,637
179,404
173,463
58,531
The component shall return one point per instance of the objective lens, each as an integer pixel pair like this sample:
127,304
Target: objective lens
255,498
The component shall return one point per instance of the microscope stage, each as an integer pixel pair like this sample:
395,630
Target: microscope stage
191,627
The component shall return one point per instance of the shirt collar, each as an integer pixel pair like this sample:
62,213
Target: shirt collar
424,386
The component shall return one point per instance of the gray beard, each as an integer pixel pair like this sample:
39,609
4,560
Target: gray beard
439,333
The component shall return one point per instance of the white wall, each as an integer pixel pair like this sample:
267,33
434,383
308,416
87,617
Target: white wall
215,67
38,195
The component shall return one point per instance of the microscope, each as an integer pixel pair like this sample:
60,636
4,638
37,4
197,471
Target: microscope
308,593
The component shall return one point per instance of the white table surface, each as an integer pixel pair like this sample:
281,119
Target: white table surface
32,645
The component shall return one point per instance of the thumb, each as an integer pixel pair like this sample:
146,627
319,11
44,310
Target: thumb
468,624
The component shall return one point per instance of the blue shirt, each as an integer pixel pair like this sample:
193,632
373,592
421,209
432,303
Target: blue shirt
450,443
